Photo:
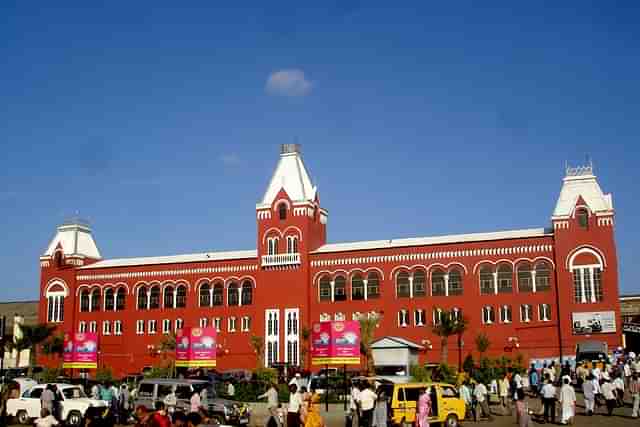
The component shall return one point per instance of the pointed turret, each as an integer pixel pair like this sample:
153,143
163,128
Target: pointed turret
73,240
580,188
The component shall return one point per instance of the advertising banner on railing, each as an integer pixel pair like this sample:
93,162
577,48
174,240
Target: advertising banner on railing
80,350
196,347
336,343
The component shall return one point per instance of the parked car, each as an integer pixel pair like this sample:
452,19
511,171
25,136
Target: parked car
447,407
224,411
73,404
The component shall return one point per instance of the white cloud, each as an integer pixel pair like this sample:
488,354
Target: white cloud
288,83
230,159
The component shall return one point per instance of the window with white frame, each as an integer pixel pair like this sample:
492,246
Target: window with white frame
55,307
418,316
544,312
292,244
356,315
437,316
488,315
179,324
505,314
325,317
525,313
272,245
82,326
246,324
587,276
106,328
231,324
203,322
93,326
166,326
117,327
217,323
139,327
456,314
339,317
403,318
152,327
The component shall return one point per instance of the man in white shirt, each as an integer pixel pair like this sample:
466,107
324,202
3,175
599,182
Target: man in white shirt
548,393
272,403
480,393
354,405
367,401
293,410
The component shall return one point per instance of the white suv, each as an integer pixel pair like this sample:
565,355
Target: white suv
73,404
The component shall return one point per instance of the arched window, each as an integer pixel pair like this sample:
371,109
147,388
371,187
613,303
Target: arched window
232,294
55,295
586,265
543,276
218,292
373,285
505,279
505,314
488,315
168,297
272,245
181,296
524,277
357,287
247,293
419,281
437,316
339,289
142,298
402,285
292,244
282,211
583,218
154,297
109,299
437,283
84,300
205,295
95,300
121,294
324,288
455,282
486,280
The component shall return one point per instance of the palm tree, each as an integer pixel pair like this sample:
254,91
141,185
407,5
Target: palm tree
482,343
368,327
168,345
450,324
257,343
305,333
32,337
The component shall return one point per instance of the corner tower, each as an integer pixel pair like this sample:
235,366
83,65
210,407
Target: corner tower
587,269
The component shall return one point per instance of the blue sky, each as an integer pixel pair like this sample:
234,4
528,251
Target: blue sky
158,124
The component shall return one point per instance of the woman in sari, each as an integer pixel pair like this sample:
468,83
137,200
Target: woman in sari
313,418
424,409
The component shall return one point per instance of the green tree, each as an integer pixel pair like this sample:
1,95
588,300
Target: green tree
32,337
257,344
467,365
482,343
368,327
167,348
54,346
450,324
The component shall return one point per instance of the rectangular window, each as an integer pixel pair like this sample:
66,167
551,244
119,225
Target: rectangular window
117,327
232,324
418,316
166,326
544,312
525,313
597,283
203,322
246,324
152,327
106,328
139,327
403,318
82,327
217,322
488,315
586,278
93,326
577,285
179,324
505,314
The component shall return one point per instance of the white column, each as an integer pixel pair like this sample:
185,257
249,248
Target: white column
533,281
593,285
410,286
175,297
446,285
333,288
148,299
365,288
211,297
583,298
495,282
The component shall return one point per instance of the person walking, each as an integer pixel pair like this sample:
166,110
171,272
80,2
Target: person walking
549,400
195,402
47,399
424,408
634,389
465,395
533,380
567,401
293,409
618,385
380,411
354,404
367,402
503,392
608,392
272,403
480,393
589,393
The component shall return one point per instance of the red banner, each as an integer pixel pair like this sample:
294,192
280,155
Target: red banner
196,347
335,342
80,350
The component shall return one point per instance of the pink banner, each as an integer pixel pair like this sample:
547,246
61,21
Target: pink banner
196,347
81,350
67,352
335,343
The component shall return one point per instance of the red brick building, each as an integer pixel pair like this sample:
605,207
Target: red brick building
538,290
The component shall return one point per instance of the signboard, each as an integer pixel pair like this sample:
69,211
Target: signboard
594,322
80,350
196,347
633,328
335,342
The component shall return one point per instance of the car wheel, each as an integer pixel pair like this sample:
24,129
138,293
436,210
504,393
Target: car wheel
74,418
23,417
452,421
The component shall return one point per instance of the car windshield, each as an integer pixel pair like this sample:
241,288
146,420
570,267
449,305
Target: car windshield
73,393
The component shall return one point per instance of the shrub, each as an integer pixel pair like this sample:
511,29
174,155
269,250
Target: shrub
468,364
420,373
104,375
50,375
